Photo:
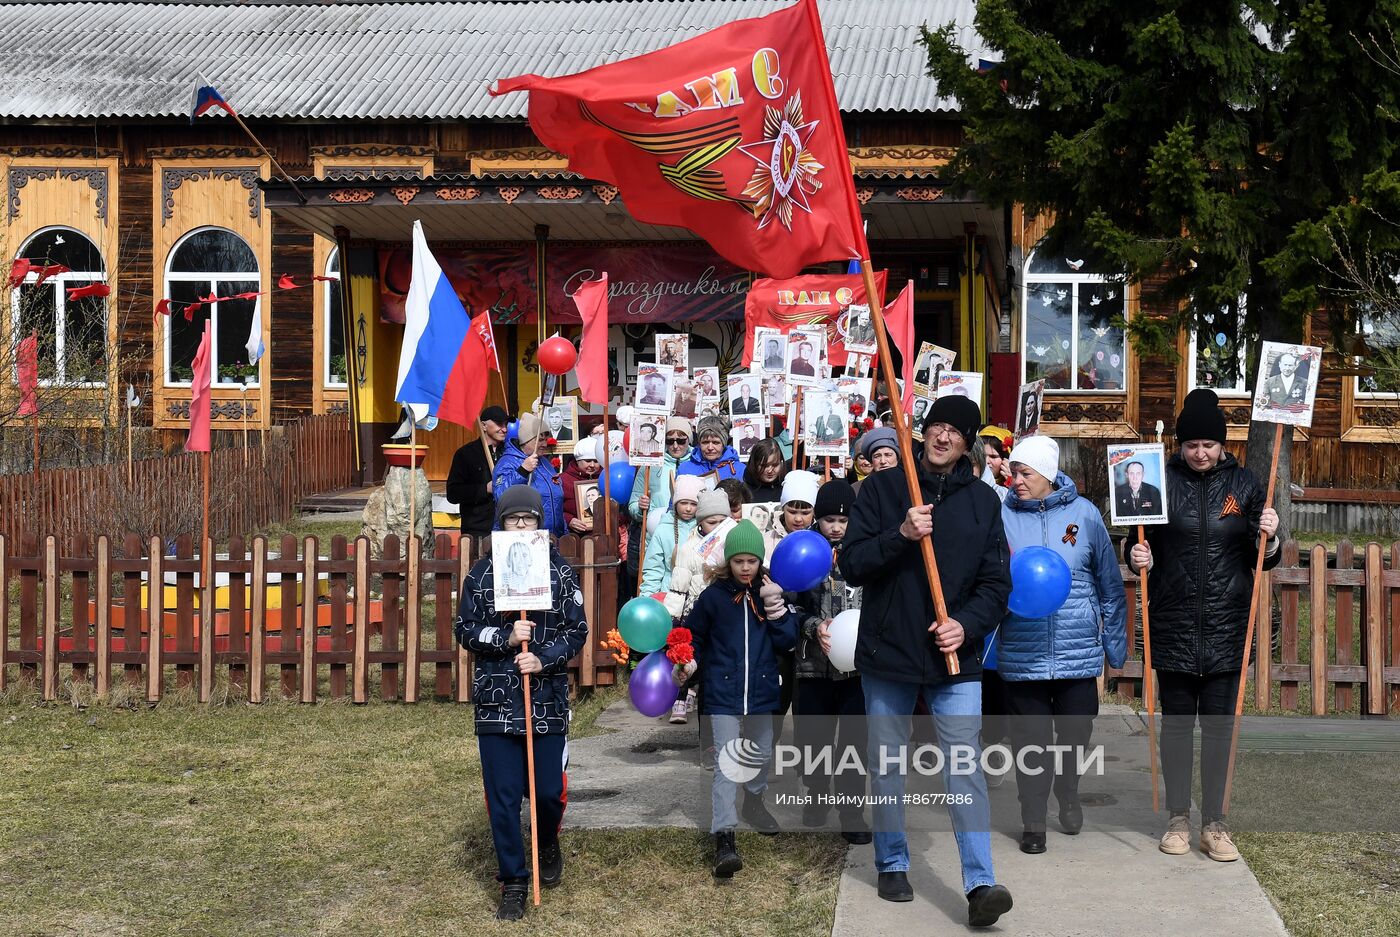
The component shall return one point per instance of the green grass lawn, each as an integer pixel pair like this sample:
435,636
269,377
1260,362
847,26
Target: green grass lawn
331,819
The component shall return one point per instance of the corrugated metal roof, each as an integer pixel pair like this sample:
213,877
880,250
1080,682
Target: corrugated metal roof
411,60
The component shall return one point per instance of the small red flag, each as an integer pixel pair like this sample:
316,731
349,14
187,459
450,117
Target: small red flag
19,270
592,367
465,393
162,309
285,282
50,270
734,134
28,367
92,289
198,439
899,322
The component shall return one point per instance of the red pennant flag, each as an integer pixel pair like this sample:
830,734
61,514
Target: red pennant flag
92,289
465,393
327,279
252,295
899,322
50,270
817,300
28,367
592,367
734,134
488,335
18,271
162,309
198,439
285,282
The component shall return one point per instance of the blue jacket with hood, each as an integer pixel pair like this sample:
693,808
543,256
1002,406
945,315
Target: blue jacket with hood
1070,643
545,481
726,466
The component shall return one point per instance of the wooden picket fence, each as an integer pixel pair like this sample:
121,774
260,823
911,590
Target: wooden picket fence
350,618
250,488
1351,632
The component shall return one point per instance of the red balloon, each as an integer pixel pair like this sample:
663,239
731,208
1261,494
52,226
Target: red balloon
627,439
557,355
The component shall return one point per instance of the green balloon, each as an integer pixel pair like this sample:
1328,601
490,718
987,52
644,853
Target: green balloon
644,624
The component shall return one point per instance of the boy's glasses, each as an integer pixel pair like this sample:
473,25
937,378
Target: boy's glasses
517,520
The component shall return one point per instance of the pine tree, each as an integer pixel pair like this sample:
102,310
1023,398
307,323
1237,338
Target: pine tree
1210,146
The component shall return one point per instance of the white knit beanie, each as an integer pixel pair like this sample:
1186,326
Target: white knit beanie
1040,453
586,448
687,488
800,486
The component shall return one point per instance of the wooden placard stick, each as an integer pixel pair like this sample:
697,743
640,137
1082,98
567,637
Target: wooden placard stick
642,545
1148,688
1253,614
906,453
530,770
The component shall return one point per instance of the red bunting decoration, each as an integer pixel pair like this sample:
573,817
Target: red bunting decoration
92,289
18,271
285,282
162,309
51,270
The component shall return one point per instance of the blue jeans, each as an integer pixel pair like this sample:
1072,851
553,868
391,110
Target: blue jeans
957,712
729,732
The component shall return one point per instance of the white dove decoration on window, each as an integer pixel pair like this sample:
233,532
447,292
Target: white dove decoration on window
1040,350
1045,299
1112,294
1100,331
1074,264
1061,294
1095,300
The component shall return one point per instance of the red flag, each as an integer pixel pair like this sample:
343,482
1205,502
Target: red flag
816,300
28,366
465,392
50,270
162,309
92,289
591,297
19,270
488,335
285,282
734,134
198,439
899,322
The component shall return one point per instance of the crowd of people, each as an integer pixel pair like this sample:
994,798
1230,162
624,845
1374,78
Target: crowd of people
701,528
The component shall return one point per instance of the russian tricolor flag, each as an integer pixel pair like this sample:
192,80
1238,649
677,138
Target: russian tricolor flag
444,359
207,97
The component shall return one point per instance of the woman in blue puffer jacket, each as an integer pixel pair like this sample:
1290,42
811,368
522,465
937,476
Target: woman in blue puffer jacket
1049,665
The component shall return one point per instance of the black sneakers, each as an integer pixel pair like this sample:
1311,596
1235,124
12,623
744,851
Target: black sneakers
513,894
894,886
987,903
755,813
551,865
727,860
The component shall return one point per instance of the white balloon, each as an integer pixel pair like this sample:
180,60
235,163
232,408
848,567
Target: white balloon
843,640
654,521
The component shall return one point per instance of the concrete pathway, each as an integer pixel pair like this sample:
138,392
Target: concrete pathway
1110,879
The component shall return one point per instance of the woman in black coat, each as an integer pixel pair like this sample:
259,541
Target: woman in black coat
1201,579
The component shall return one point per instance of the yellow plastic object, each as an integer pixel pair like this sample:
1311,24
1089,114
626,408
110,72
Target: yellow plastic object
169,595
445,521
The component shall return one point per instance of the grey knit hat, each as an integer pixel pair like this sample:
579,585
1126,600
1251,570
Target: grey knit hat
712,426
520,499
881,437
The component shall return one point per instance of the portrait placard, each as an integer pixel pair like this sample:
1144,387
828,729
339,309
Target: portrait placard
805,348
825,423
645,435
960,384
654,383
770,351
745,433
745,395
1286,389
1137,483
1029,401
673,348
520,570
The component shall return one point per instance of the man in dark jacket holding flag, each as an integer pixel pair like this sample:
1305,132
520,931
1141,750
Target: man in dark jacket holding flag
900,645
469,480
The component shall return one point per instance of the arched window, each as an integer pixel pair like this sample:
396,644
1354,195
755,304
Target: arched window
218,264
337,367
1071,333
72,333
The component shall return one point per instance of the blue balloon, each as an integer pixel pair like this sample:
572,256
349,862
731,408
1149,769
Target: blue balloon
621,475
1040,581
801,560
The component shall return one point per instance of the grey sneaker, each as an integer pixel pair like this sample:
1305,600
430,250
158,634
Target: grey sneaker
1176,841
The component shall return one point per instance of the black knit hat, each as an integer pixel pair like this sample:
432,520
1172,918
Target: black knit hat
834,497
1201,417
520,499
958,412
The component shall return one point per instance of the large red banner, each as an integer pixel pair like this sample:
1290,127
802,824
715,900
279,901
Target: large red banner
681,282
816,300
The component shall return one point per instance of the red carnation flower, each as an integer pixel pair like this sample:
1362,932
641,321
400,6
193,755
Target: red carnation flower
870,422
854,432
551,441
680,653
856,408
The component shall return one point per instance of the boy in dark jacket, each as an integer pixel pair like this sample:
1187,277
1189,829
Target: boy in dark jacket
495,640
738,626
900,646
829,706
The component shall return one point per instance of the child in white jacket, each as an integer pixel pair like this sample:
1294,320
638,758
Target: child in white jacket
691,573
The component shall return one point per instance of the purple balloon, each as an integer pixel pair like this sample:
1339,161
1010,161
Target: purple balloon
651,687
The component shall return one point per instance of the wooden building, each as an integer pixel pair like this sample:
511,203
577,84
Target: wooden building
382,122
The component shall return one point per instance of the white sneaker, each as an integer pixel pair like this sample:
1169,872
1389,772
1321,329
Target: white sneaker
678,716
690,697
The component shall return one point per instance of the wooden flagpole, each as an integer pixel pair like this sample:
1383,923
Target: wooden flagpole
1253,615
412,479
606,484
275,165
530,770
1148,685
906,453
